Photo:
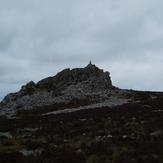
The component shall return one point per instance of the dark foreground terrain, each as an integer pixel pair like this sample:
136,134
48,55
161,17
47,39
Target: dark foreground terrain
129,133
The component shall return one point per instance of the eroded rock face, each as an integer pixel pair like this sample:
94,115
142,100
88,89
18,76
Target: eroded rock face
66,85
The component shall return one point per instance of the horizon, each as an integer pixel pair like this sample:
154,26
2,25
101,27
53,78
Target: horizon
115,83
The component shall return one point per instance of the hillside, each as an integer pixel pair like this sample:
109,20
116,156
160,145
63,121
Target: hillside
78,116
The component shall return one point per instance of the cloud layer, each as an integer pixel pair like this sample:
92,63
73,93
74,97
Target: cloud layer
38,38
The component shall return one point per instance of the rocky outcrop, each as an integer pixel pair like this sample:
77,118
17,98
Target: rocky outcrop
75,76
27,89
79,83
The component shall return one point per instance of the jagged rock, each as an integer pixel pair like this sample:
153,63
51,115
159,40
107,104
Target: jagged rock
7,99
29,88
74,76
78,83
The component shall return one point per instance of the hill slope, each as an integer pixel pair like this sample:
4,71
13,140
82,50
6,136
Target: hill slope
96,123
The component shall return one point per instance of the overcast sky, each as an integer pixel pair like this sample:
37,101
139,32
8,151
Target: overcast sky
38,38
